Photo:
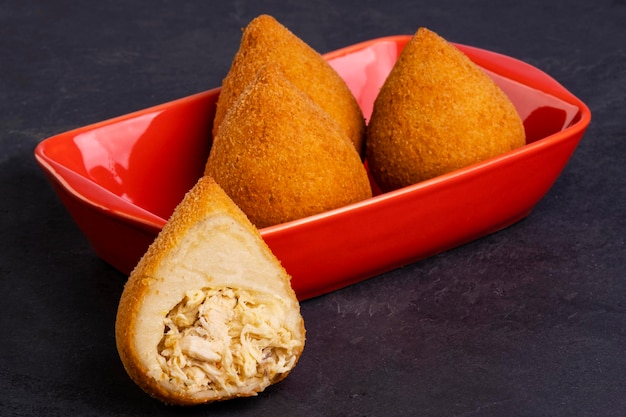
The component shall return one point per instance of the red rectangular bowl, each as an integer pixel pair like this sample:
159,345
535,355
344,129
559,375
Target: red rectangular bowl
120,179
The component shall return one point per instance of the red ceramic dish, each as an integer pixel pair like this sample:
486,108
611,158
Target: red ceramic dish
120,179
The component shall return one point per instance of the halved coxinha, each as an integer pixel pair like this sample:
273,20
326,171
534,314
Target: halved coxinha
208,313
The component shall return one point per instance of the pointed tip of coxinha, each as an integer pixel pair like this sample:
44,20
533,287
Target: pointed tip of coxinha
265,40
437,112
208,313
280,157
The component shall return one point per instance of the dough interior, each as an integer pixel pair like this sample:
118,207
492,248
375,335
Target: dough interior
206,325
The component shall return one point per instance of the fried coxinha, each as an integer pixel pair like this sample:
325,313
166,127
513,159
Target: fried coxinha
280,156
208,313
265,40
436,112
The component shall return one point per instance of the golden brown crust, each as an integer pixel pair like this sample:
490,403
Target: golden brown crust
280,157
266,41
205,199
437,112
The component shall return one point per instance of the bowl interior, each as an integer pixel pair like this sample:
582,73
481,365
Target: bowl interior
147,160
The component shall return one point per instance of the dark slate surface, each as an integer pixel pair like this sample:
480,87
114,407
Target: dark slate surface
530,321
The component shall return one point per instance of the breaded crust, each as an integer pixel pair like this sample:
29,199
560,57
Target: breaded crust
173,265
280,157
265,41
437,112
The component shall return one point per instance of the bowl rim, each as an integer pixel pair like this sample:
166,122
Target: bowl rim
100,198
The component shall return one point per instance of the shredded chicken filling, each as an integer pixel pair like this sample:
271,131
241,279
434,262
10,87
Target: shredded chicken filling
224,339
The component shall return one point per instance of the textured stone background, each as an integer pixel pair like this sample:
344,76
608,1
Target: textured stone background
530,321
